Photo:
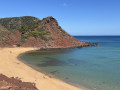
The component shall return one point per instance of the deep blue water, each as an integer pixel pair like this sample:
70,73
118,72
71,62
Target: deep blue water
92,67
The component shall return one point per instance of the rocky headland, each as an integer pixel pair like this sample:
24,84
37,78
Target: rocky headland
28,31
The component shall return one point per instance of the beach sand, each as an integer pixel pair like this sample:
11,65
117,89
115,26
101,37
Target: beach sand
12,67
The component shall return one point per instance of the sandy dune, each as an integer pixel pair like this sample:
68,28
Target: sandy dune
12,67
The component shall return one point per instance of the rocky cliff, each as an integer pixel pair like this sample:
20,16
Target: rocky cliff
30,31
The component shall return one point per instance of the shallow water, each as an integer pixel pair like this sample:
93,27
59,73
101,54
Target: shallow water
91,67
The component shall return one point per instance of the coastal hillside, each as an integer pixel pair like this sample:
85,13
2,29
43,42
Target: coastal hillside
30,31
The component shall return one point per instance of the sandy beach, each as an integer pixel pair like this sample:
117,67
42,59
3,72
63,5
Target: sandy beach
12,67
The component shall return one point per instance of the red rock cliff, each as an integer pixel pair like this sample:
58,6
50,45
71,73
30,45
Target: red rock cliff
33,32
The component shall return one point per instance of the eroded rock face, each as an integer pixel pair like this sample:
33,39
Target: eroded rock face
15,84
32,32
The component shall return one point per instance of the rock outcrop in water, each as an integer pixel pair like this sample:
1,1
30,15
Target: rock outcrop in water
30,31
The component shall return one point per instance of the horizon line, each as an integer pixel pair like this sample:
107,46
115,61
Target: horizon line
95,35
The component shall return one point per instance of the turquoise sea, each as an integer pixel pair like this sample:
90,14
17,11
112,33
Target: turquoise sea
91,67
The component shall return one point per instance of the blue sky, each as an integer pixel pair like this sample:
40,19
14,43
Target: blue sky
77,17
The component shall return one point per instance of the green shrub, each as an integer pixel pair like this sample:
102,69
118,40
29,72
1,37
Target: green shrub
16,23
18,45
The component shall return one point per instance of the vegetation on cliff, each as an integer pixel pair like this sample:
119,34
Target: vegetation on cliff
17,22
30,31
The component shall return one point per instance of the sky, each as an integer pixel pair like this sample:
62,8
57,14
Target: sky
77,17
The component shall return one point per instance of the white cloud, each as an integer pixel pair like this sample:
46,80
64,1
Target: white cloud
64,4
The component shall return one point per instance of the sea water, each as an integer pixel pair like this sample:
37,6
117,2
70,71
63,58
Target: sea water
91,67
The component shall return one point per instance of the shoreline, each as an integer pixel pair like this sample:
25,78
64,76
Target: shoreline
52,76
12,67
